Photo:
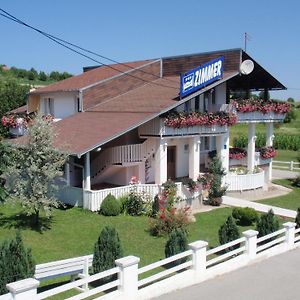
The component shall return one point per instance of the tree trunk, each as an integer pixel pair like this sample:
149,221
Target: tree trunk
37,217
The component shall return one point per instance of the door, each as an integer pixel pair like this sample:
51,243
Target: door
171,162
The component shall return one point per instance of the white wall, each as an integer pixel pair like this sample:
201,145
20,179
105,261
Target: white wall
65,104
220,92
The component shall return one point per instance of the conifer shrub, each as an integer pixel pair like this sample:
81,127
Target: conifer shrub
229,232
110,206
297,220
267,223
107,249
245,216
176,243
16,262
155,206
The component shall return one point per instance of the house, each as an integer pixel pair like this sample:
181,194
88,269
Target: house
115,120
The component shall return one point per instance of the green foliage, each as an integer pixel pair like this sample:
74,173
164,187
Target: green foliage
290,100
155,206
33,169
297,219
43,76
296,181
137,204
16,262
267,223
245,216
291,115
122,200
110,206
176,243
107,249
281,141
229,232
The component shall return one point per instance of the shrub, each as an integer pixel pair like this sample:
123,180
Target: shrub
137,204
267,223
296,181
168,220
122,200
110,206
155,206
176,243
229,232
106,250
297,220
245,216
16,262
190,184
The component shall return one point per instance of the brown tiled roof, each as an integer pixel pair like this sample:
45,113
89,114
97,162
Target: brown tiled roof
80,81
19,110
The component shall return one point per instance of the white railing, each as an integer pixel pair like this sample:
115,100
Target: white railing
122,155
70,195
286,165
185,269
257,116
156,127
244,182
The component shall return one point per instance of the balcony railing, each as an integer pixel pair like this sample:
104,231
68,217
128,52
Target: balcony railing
256,116
156,127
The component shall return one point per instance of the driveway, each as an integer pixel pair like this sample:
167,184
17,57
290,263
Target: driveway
276,278
276,174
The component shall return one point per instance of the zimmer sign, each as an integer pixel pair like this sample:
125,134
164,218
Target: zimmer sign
197,78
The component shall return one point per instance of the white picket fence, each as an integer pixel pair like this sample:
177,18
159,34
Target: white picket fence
93,199
286,165
244,182
185,269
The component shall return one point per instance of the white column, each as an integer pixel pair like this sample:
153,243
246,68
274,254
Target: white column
194,157
25,289
199,256
269,143
87,171
141,172
128,276
251,147
290,234
161,161
251,242
222,144
67,173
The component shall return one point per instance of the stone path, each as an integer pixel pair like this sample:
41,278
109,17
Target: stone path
259,206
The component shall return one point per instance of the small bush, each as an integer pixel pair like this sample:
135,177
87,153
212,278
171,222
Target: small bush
122,200
110,206
267,223
229,232
134,205
177,243
155,206
244,216
297,220
106,250
296,181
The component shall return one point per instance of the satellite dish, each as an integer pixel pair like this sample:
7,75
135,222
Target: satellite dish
247,67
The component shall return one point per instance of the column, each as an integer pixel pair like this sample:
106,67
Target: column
199,256
161,161
290,234
269,143
194,157
251,242
87,171
67,173
128,276
251,147
25,289
222,144
141,172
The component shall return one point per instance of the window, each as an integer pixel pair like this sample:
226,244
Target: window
204,146
213,96
48,106
197,100
77,104
187,106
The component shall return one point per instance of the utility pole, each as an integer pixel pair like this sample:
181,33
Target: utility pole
247,37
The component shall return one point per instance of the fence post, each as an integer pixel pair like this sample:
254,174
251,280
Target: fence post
199,256
291,165
290,234
85,272
251,242
128,276
25,289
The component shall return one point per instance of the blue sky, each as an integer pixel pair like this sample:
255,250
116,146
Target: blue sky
134,30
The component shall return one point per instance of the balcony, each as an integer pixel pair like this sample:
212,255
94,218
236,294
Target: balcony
257,117
157,127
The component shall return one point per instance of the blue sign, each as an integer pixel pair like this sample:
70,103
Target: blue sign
197,78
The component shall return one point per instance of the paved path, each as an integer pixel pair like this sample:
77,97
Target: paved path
276,278
259,206
283,174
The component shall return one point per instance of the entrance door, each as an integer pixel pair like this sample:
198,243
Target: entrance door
171,162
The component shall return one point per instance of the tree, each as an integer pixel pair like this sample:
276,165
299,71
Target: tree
290,100
35,165
177,243
297,220
228,232
16,262
267,223
5,159
265,95
43,76
107,249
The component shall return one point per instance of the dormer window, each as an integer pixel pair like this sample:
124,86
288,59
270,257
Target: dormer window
48,106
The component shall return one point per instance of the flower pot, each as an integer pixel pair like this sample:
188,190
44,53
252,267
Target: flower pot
17,131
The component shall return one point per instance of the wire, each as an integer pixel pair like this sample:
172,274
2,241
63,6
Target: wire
63,42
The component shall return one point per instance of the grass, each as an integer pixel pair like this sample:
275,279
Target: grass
287,155
289,201
26,81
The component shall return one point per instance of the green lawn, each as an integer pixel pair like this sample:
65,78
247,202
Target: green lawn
290,201
287,155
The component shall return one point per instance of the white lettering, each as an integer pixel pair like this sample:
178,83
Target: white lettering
219,68
210,72
204,75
